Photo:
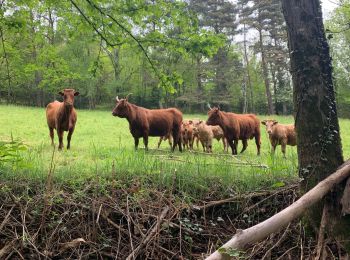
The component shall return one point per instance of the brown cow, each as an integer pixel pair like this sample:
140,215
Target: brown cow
236,127
280,134
145,122
62,116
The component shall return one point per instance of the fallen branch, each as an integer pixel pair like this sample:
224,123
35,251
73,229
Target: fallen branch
284,217
149,236
240,197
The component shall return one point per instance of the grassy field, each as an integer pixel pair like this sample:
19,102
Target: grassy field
101,141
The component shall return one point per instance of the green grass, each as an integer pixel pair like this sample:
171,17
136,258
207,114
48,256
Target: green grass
101,140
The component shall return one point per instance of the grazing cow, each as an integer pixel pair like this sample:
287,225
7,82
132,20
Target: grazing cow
187,134
280,134
164,138
62,116
218,134
150,122
205,135
236,127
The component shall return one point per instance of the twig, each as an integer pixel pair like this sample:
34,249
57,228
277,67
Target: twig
128,220
268,252
150,234
290,249
7,248
3,223
241,197
321,233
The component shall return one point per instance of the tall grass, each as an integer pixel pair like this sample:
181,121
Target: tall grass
101,140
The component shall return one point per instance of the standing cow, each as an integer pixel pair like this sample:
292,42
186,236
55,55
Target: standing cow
62,116
236,127
150,122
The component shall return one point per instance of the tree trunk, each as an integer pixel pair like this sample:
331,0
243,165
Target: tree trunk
9,84
246,59
316,121
270,106
199,82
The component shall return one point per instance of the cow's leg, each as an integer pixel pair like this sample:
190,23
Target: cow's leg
145,140
284,145
160,141
177,138
203,145
230,142
60,139
136,139
245,144
69,137
273,148
224,140
258,143
170,141
52,134
191,144
235,145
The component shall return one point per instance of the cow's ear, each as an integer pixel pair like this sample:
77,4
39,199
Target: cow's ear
200,121
275,122
190,121
61,93
263,122
76,93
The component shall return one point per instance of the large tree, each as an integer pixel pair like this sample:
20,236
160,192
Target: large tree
318,138
316,121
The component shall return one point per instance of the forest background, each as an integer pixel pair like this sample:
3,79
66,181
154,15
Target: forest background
166,53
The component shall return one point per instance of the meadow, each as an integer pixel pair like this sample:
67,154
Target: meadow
102,147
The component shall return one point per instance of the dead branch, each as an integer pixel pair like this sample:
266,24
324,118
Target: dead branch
7,248
150,234
284,217
240,197
3,223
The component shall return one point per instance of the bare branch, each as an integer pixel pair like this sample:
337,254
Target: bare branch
284,217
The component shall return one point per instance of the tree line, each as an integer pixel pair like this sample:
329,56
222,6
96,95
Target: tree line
167,53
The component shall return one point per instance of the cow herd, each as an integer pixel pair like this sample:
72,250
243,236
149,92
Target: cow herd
168,124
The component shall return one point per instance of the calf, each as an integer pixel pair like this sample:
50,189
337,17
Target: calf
164,138
236,127
187,134
280,134
62,116
218,134
145,122
205,135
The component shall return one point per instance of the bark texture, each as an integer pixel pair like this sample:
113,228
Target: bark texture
316,121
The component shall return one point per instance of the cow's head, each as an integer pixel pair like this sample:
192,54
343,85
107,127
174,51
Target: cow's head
269,123
68,96
121,108
187,125
214,117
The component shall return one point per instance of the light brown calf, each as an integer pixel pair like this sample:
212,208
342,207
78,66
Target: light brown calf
205,135
218,134
280,134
